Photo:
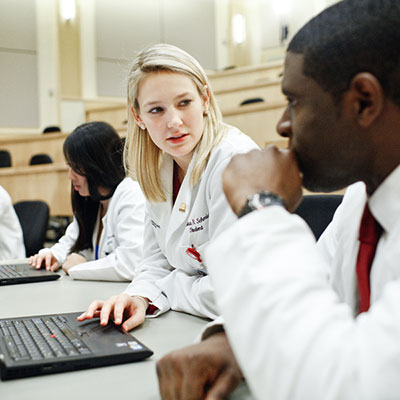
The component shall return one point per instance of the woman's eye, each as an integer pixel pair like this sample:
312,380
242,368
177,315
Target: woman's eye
185,102
155,110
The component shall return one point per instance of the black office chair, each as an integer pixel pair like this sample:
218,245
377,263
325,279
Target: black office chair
33,216
252,101
317,210
40,159
5,158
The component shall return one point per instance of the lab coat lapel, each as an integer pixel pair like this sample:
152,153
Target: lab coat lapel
95,233
162,211
181,208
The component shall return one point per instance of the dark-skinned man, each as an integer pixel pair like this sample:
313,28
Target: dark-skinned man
305,320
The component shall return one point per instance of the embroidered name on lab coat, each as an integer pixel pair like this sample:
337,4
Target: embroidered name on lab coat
196,224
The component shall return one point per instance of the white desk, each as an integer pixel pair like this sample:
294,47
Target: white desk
135,381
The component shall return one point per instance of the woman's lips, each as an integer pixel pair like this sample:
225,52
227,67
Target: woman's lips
177,138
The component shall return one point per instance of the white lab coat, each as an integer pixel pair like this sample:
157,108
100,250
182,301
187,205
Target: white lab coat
295,337
170,276
121,240
11,237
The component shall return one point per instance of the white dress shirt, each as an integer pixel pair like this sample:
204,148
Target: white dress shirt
290,306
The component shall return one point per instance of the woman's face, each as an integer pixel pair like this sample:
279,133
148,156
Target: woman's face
79,182
172,109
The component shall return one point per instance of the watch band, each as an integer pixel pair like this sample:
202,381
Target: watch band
260,200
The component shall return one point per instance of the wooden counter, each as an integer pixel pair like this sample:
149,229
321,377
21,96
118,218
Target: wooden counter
48,182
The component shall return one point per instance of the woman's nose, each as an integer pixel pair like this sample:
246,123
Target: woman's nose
70,173
174,119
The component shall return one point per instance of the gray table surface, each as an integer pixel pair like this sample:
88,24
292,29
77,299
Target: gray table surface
138,381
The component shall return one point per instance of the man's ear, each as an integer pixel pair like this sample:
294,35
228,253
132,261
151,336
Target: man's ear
367,98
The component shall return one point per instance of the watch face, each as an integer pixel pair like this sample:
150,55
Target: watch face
263,199
260,200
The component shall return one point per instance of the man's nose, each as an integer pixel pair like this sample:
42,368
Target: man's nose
284,126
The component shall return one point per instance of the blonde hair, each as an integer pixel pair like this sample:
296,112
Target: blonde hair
142,158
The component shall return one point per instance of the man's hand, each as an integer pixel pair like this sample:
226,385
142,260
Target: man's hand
272,169
207,370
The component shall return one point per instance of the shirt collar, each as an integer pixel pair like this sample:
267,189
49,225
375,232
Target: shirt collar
385,201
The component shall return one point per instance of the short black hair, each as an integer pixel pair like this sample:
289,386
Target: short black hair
350,37
93,150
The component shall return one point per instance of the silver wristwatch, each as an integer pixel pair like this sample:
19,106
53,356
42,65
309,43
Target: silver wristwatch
261,200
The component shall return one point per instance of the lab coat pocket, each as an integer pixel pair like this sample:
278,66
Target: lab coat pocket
109,245
194,257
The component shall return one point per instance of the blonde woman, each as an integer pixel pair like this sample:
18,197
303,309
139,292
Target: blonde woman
177,148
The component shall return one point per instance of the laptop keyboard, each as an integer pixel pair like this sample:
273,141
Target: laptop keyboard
41,338
9,271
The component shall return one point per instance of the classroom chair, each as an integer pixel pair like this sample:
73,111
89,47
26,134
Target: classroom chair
51,129
33,216
40,159
317,210
5,159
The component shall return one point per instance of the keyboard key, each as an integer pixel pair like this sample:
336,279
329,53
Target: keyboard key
41,338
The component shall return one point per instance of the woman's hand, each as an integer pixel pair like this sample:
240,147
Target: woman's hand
47,257
72,260
123,309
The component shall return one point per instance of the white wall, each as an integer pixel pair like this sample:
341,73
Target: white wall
18,64
191,25
111,33
273,18
48,78
123,27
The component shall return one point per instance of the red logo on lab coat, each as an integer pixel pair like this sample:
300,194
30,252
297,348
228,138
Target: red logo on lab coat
193,253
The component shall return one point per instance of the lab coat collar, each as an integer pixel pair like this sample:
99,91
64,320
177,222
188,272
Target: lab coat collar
184,197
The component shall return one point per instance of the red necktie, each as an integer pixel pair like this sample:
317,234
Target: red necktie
370,231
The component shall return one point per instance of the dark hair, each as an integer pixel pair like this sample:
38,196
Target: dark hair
349,37
93,150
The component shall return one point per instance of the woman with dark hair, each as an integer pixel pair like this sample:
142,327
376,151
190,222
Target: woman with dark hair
104,240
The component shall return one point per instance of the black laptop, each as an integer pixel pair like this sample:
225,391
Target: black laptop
13,273
46,344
